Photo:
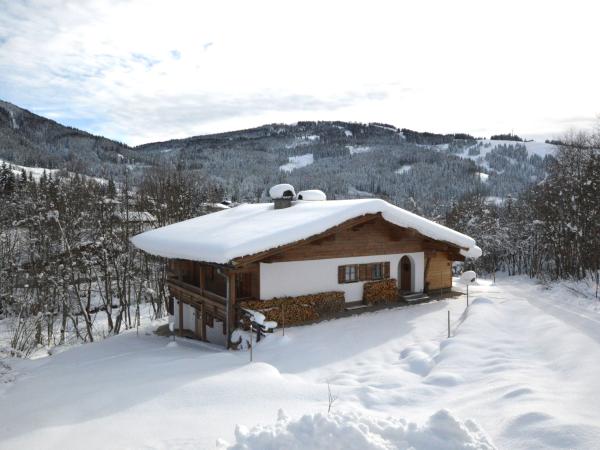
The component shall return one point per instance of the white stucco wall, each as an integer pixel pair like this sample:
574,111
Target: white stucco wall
310,277
214,334
189,317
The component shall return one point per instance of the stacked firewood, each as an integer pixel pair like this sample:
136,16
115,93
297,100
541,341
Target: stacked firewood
382,291
301,309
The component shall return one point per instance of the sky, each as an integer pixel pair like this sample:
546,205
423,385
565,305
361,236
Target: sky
146,70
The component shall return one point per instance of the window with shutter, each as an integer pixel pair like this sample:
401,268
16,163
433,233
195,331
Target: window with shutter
376,271
348,274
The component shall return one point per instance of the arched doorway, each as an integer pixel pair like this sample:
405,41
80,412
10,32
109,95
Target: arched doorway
405,274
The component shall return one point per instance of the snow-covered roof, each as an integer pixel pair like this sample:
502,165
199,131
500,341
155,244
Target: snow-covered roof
248,229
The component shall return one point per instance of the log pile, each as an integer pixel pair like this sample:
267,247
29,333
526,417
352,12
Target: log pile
382,291
301,309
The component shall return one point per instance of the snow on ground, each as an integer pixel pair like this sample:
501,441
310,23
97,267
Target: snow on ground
36,172
358,193
485,146
355,149
297,162
385,127
483,176
498,201
518,372
353,431
14,123
354,192
404,169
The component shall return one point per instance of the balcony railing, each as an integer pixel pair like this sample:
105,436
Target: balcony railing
189,293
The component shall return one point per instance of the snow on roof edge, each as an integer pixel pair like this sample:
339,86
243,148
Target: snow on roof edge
249,229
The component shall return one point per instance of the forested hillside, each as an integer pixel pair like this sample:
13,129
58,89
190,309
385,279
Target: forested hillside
31,140
552,229
421,171
348,160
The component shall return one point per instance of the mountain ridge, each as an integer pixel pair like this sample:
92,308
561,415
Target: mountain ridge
421,171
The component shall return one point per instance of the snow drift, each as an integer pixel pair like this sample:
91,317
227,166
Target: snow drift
355,431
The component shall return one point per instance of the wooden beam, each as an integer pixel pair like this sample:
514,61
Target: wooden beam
202,323
180,317
201,280
193,294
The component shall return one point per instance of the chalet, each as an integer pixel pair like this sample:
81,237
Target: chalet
298,259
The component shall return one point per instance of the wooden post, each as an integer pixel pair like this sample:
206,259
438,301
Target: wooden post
180,317
201,283
251,339
202,322
283,317
448,323
467,295
230,307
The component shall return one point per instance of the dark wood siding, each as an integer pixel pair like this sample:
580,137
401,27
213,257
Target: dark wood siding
376,237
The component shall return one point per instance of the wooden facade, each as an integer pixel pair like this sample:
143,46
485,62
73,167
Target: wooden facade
366,235
438,271
213,290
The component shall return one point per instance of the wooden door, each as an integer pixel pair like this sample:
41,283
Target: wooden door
405,274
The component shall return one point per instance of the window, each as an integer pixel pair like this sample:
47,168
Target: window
351,274
377,271
348,274
363,272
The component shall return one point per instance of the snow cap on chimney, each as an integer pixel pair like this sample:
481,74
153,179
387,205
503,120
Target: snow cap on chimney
282,191
282,195
314,195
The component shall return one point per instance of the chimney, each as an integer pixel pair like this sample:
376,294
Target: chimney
282,195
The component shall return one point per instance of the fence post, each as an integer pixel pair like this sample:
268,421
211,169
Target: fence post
448,323
251,339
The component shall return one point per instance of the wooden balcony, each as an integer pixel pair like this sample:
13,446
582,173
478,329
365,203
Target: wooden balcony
197,297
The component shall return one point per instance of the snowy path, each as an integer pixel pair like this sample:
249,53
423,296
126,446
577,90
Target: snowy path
581,318
525,369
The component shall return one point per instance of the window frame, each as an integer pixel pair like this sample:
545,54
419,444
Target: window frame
349,269
376,271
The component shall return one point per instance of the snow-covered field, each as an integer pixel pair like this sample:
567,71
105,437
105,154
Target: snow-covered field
297,162
520,371
37,172
356,149
540,149
404,169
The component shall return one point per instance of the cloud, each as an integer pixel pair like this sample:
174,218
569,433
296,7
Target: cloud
140,70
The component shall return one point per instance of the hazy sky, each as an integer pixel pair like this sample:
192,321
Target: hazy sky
148,70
